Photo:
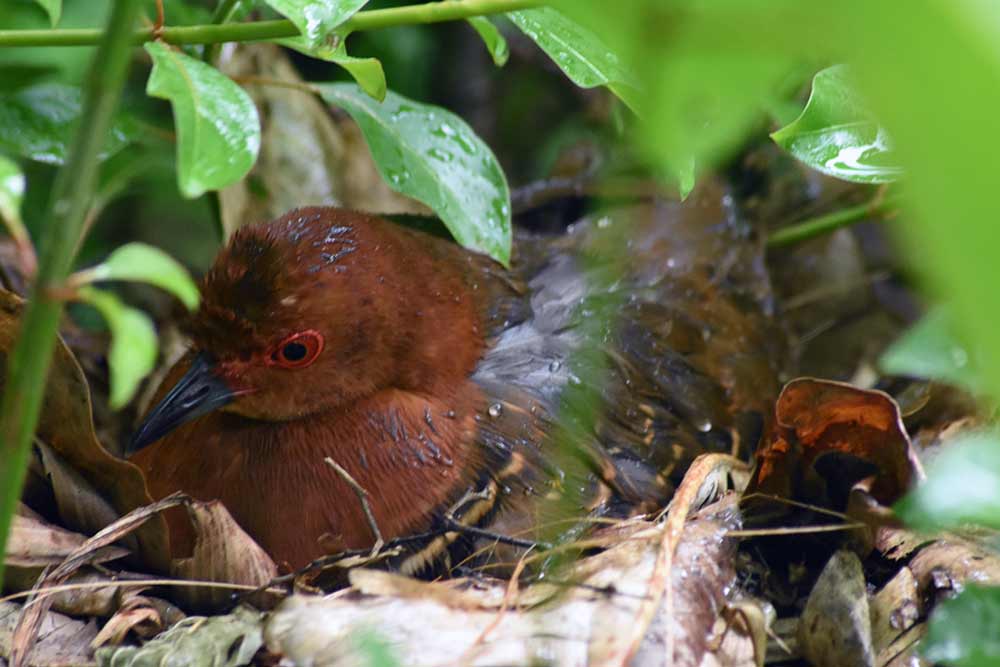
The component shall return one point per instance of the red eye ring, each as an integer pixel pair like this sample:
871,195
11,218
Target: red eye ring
297,351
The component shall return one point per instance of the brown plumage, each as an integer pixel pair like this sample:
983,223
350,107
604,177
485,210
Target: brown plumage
428,372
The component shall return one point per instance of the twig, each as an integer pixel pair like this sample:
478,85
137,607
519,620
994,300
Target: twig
365,505
374,19
457,526
160,20
137,583
824,224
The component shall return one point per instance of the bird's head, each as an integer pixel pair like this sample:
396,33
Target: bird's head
318,309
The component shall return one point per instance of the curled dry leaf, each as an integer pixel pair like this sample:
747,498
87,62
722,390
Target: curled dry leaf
67,428
144,616
827,436
222,553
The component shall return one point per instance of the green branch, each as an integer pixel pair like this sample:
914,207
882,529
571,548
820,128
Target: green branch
70,197
431,12
824,224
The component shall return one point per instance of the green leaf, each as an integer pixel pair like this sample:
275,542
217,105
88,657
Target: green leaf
961,486
38,123
838,135
931,350
430,154
578,52
53,8
133,343
963,630
317,20
11,190
144,263
218,130
366,71
494,41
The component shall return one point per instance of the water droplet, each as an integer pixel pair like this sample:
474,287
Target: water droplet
959,356
555,366
496,410
703,425
440,154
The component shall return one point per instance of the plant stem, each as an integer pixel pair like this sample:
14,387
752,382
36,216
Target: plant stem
431,12
824,224
71,192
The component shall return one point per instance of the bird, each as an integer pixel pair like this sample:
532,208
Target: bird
352,379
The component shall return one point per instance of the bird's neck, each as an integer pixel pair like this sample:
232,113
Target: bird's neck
413,454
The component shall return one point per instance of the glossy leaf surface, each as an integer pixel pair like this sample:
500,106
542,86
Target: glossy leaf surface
432,155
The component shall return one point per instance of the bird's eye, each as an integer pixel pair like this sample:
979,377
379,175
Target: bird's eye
298,350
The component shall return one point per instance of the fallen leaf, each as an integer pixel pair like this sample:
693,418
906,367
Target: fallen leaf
66,426
223,552
63,641
827,436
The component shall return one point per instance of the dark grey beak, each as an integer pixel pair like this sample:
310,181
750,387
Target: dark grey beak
199,392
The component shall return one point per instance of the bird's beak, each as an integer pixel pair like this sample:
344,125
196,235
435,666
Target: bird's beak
199,392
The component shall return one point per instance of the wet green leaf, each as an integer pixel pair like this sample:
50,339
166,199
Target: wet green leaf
578,52
53,8
317,19
432,155
494,41
133,343
218,130
366,71
38,123
144,263
931,350
11,190
961,486
963,630
838,135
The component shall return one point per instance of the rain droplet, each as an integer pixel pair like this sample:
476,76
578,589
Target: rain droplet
555,366
703,425
495,410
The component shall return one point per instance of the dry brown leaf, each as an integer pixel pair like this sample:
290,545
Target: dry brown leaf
36,610
36,543
144,616
815,419
62,641
67,427
223,552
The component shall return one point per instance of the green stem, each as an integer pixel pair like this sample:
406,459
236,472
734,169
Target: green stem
71,192
824,224
431,12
